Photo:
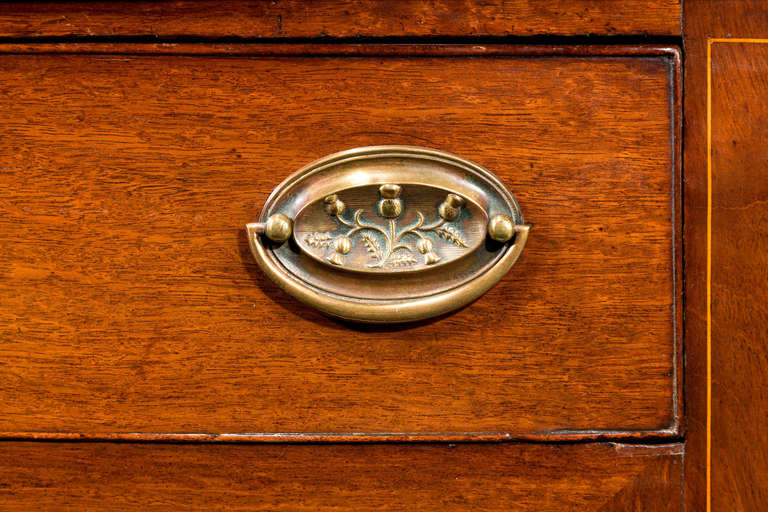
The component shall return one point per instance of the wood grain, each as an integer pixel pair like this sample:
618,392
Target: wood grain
739,254
131,303
541,478
334,18
738,251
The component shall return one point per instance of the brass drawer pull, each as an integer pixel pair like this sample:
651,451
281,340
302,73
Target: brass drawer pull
388,233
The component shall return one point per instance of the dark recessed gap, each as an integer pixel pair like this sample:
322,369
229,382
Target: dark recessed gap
511,40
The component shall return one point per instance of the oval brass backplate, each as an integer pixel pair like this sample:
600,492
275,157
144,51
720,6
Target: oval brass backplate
388,234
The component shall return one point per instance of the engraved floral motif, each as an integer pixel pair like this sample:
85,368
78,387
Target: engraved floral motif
395,254
319,239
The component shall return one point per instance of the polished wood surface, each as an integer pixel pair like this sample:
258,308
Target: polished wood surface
334,18
726,463
739,253
484,477
131,303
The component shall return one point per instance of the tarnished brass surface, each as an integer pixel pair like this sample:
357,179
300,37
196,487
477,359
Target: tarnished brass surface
388,233
389,228
500,228
278,228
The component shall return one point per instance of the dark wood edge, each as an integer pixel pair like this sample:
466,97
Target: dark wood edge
450,437
676,66
673,53
325,50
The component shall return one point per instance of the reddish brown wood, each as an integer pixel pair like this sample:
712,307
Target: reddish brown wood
738,250
334,18
540,478
131,303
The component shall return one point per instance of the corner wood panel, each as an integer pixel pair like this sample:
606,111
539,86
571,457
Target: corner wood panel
334,18
738,273
132,308
726,223
738,255
491,477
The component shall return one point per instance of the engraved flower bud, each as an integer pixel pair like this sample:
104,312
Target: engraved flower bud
424,246
449,208
333,205
431,258
336,259
342,245
390,205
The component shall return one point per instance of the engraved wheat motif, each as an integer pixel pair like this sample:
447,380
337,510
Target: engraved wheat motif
371,246
402,260
450,234
318,239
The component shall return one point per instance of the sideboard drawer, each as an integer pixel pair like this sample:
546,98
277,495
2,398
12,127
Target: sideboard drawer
362,477
131,304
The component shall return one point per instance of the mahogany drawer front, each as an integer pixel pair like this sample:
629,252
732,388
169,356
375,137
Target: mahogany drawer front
132,305
483,477
339,18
